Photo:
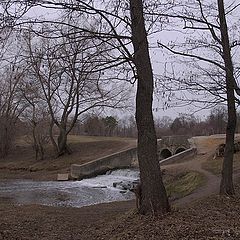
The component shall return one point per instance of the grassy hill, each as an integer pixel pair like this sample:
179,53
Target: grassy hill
21,162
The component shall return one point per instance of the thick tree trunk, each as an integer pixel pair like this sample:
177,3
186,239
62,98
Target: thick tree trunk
52,137
41,152
5,145
6,136
226,186
153,194
62,142
35,141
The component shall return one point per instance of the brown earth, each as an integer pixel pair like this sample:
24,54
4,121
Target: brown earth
200,215
205,150
21,162
210,218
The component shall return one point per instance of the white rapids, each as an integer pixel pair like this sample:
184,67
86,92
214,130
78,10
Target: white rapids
71,193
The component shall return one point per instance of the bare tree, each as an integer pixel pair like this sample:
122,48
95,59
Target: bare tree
93,125
71,85
226,186
35,115
121,26
153,199
212,63
10,106
217,120
127,127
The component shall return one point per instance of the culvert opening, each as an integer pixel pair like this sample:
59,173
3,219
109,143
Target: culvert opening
165,153
180,150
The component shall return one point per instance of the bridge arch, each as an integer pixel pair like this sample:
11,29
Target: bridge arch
165,153
180,149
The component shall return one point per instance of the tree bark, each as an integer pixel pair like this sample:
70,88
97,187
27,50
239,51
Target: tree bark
226,186
52,137
153,194
35,143
62,142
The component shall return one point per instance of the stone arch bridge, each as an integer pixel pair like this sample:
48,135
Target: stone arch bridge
167,147
171,145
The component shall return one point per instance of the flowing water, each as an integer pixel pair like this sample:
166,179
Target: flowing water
71,193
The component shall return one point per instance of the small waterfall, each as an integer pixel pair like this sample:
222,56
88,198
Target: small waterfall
111,177
90,191
129,173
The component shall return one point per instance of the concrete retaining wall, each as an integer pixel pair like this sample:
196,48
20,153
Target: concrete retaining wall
123,159
179,156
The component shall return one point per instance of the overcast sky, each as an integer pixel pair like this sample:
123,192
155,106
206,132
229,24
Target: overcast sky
157,62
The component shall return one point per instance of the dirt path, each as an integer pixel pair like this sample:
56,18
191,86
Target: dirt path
209,219
210,187
205,150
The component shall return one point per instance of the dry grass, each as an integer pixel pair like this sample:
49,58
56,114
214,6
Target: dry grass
21,162
183,183
215,165
24,140
86,139
210,218
208,143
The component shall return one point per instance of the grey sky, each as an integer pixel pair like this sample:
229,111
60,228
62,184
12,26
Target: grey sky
158,61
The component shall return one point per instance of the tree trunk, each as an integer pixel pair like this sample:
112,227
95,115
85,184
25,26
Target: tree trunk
41,151
55,146
226,186
62,142
6,137
153,194
35,144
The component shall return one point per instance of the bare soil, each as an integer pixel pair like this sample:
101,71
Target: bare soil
200,215
21,162
211,218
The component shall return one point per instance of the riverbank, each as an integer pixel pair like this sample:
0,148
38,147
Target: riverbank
196,216
21,163
213,217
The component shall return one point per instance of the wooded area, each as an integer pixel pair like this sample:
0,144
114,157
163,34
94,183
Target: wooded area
61,61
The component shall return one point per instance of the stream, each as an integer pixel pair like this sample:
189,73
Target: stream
71,193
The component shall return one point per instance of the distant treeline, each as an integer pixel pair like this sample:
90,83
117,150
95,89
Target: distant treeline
184,124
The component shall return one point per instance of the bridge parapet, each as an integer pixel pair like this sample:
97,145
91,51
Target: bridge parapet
171,145
167,147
